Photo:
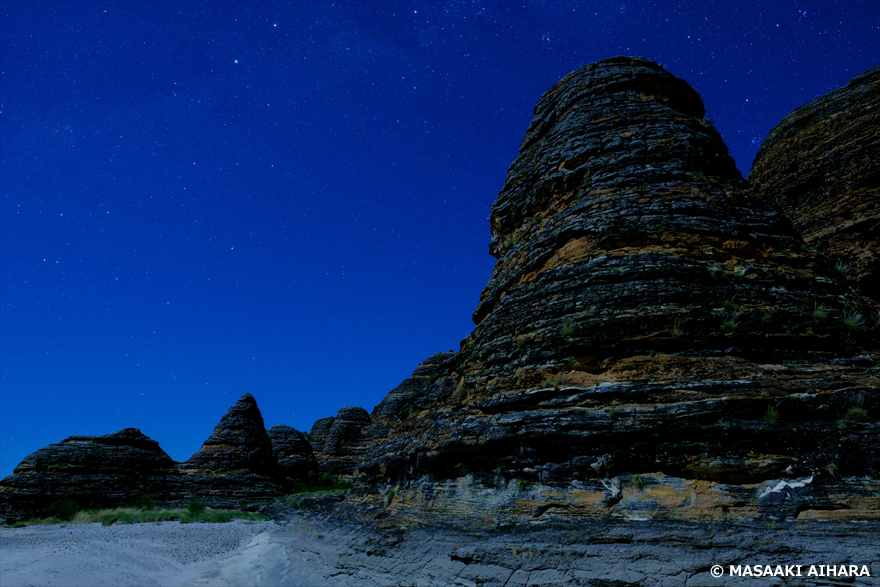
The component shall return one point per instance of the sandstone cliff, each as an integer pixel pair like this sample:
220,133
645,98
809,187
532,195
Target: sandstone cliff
657,341
339,441
239,464
654,332
820,165
109,469
296,459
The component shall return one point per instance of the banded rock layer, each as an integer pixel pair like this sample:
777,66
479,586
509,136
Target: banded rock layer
239,464
648,315
821,165
106,469
656,341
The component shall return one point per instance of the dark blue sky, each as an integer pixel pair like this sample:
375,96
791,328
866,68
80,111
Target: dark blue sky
200,199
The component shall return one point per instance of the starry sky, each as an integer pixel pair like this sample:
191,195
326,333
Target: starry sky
204,198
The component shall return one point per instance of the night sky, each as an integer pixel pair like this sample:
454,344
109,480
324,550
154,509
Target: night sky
200,199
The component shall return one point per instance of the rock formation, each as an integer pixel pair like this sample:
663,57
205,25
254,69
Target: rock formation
110,470
236,466
296,459
657,339
339,441
319,432
649,318
820,165
239,444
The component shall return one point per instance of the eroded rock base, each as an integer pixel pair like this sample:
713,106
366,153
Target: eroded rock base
595,553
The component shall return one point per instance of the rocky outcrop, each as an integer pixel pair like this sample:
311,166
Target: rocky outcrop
318,434
657,341
239,444
649,317
236,467
109,470
296,460
341,440
236,463
820,165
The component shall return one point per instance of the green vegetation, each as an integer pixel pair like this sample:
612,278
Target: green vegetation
676,331
325,482
429,380
521,484
856,412
145,502
842,269
771,416
820,312
728,304
567,330
853,319
133,515
63,508
637,481
707,122
196,507
700,176
390,494
729,324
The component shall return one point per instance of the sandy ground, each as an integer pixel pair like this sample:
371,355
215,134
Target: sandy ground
314,551
168,553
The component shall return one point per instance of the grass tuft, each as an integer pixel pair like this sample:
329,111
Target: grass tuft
820,312
637,481
133,515
853,319
771,416
677,331
856,412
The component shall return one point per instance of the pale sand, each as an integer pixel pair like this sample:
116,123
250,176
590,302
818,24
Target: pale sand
168,553
312,551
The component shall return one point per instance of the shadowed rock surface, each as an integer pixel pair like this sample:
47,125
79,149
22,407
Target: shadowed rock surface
342,441
236,467
239,443
649,317
235,464
319,432
296,459
821,165
657,349
109,469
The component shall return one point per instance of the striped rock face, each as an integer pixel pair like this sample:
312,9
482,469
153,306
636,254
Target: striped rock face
821,165
648,313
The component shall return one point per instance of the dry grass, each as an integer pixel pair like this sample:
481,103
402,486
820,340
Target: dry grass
131,515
